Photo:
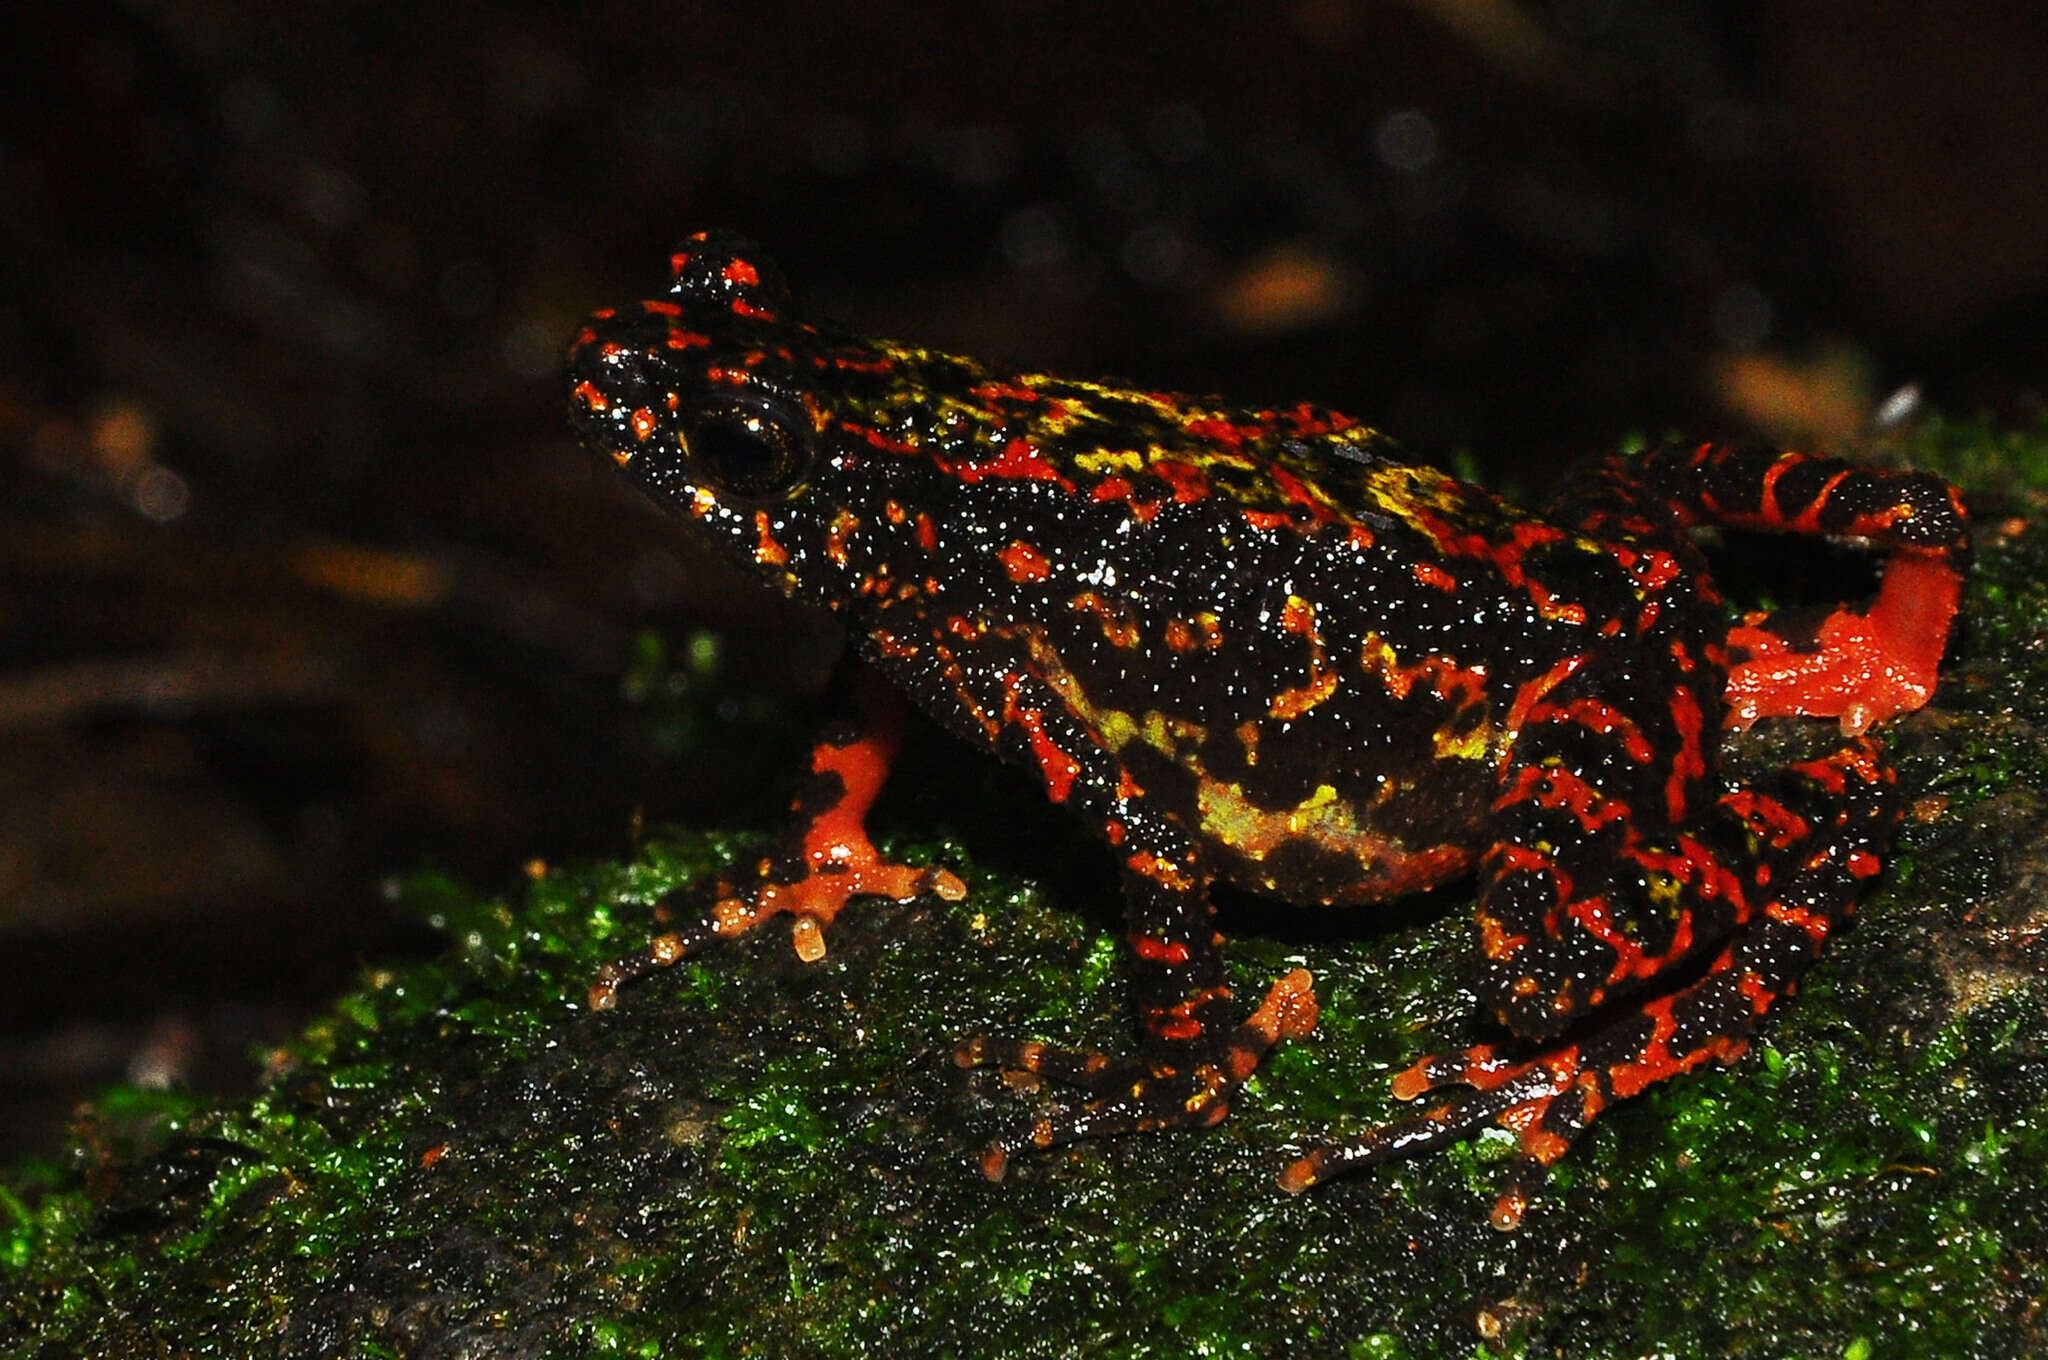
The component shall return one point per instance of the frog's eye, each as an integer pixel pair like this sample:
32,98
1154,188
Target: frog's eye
748,447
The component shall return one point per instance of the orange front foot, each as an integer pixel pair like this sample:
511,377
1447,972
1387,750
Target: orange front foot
827,862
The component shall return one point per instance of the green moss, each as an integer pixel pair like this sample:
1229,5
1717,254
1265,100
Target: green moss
756,1157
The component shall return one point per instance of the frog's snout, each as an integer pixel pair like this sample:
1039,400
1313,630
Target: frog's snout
615,384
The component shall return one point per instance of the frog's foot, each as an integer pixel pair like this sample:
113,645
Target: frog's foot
1190,1087
826,862
1531,1097
1859,664
846,870
1549,1100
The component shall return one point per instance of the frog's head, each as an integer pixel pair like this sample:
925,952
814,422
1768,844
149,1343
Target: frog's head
798,447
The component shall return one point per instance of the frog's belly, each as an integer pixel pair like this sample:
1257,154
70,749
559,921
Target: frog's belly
1345,832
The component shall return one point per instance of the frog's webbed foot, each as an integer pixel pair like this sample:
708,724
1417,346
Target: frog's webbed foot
1549,1100
825,862
1182,1086
811,900
1534,1098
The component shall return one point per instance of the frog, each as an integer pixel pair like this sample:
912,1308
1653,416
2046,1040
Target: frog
1265,648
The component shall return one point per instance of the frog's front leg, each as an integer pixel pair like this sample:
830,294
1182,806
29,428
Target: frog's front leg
826,860
1197,1045
1195,1048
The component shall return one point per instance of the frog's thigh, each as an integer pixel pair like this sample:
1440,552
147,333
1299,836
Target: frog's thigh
1606,868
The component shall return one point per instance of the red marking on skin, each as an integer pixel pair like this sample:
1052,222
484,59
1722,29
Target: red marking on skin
1398,875
1152,949
741,273
1550,608
844,525
1448,680
1494,941
1504,554
1592,915
1175,1022
592,399
766,549
1117,625
1659,570
1359,537
1598,717
1020,460
1783,826
1181,636
1003,391
1655,1062
1755,993
1313,420
742,307
1166,874
1863,864
1523,858
1540,1146
1809,518
1813,924
1119,489
1024,564
1560,788
1267,519
688,340
642,421
1298,492
1189,483
655,307
1768,510
886,443
1869,666
1535,691
1216,430
1436,577
847,363
927,534
1689,763
1058,768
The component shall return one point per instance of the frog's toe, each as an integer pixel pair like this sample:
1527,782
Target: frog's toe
1182,1082
1481,1068
1025,1062
1125,1097
1539,1101
668,948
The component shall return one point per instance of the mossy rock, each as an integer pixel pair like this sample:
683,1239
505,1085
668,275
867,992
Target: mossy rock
753,1156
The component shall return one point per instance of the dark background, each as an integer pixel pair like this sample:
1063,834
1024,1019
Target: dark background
304,583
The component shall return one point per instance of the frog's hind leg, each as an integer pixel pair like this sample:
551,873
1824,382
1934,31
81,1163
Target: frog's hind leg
825,862
1812,835
1861,662
1752,486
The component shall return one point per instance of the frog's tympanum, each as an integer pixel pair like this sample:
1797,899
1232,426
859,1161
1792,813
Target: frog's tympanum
1256,646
